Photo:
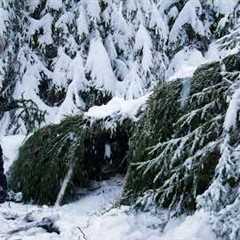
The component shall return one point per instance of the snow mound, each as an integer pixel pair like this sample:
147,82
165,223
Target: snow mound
194,227
118,106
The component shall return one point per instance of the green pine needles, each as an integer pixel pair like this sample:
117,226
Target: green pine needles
47,156
176,146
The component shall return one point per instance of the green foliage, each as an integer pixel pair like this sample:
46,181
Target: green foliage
47,155
232,62
175,148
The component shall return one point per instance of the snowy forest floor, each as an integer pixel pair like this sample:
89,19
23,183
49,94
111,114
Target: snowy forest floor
95,216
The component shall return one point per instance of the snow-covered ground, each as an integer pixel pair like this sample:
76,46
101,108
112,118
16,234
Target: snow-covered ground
95,216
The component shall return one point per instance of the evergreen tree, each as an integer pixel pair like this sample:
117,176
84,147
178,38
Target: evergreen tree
138,39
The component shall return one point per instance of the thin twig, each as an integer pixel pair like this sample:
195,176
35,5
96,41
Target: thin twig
83,234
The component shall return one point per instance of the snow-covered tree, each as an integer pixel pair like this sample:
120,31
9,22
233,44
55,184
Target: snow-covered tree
50,35
222,197
98,67
189,28
176,148
65,56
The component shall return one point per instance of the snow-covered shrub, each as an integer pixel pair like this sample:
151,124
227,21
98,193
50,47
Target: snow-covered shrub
78,148
177,145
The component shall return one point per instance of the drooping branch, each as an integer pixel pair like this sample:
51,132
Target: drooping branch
28,112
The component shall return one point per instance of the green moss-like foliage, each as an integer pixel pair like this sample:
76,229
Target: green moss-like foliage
46,157
175,148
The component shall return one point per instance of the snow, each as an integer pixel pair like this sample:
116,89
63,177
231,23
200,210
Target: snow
131,6
62,69
118,106
121,54
45,24
222,7
231,117
72,102
53,4
93,9
194,227
132,86
159,23
32,4
82,25
69,216
99,65
108,151
97,215
143,42
165,5
10,146
96,212
188,15
97,218
3,18
184,63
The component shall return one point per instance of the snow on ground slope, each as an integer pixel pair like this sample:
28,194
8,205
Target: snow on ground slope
96,215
